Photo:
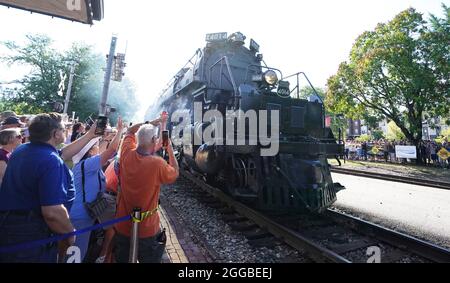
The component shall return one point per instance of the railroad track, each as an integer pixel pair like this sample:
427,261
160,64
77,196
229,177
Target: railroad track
392,178
328,237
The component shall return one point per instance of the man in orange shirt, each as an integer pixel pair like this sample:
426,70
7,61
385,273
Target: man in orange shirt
141,174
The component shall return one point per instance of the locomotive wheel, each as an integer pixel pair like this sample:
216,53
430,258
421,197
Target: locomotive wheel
235,177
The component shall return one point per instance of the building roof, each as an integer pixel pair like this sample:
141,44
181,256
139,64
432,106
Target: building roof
83,11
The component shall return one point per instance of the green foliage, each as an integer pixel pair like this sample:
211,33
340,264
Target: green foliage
307,91
378,135
363,138
394,133
338,122
445,136
38,89
398,71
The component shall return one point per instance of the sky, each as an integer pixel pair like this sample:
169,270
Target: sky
294,35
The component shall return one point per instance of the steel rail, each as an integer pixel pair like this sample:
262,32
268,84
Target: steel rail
292,238
392,178
417,246
317,252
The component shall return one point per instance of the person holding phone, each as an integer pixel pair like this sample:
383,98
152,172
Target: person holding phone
141,175
89,180
102,123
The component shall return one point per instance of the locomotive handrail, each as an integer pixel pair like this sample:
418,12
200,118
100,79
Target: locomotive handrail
233,83
298,85
261,67
310,84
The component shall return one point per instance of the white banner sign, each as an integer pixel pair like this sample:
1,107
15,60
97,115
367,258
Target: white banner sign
405,151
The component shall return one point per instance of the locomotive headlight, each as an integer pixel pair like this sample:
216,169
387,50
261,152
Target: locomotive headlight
271,77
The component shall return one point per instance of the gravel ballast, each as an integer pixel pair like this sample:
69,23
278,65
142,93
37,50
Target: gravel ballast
224,244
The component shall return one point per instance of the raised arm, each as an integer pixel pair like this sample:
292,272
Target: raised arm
74,148
172,159
129,142
114,145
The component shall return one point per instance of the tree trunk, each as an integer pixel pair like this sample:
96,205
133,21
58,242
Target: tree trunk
416,142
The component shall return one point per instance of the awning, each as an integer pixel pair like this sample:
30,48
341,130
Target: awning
84,11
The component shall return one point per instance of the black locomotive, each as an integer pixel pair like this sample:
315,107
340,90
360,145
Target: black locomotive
227,78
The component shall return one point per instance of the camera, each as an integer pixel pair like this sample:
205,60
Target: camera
102,121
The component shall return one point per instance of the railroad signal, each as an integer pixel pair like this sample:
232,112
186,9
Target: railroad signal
118,67
61,86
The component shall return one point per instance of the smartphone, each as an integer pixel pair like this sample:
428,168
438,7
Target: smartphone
101,125
165,139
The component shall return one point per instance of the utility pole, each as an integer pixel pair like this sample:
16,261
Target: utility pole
69,88
112,51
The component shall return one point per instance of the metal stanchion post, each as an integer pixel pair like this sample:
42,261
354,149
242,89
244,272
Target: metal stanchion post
134,239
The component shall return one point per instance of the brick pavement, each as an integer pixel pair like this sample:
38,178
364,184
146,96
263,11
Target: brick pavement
180,247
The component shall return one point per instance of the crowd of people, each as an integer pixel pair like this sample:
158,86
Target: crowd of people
59,178
384,150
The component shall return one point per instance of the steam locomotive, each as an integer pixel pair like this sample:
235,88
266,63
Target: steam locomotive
228,77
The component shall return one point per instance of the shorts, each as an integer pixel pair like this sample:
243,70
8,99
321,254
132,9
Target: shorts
150,250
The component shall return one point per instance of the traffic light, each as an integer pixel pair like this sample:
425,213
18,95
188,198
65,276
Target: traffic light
118,67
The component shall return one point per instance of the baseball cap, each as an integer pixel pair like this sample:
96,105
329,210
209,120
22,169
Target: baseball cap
77,158
14,120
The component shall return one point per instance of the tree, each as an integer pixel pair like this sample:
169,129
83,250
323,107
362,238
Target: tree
394,133
445,136
307,91
377,135
398,71
363,138
38,90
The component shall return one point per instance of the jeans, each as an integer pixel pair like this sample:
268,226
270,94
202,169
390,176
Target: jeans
150,250
364,154
22,228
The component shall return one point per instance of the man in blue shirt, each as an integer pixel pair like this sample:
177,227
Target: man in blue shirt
37,191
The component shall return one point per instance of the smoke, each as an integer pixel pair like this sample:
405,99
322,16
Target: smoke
155,110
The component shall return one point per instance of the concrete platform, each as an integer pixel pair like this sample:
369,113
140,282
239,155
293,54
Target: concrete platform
180,248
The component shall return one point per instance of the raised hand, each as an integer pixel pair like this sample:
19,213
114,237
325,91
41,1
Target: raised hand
120,125
133,129
91,132
164,117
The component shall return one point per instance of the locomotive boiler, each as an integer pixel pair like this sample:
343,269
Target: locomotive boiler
268,147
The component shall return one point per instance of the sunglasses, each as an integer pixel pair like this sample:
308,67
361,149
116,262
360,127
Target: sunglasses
19,137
